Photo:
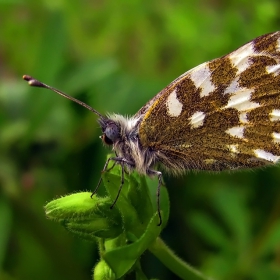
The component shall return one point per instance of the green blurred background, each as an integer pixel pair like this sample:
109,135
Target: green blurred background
115,56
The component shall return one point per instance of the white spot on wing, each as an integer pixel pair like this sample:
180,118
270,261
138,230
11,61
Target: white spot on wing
278,44
266,155
196,120
241,57
201,77
275,115
241,101
174,106
275,69
236,131
233,87
233,148
243,117
276,137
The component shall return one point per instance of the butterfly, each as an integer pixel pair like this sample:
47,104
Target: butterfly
221,115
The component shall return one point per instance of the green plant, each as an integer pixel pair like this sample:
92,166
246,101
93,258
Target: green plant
123,232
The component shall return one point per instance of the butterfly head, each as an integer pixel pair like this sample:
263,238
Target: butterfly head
111,131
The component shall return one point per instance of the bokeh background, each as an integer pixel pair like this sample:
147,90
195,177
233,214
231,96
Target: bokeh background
115,56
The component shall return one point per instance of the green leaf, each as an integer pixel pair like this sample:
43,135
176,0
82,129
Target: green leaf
271,241
164,199
112,184
140,198
231,207
122,259
5,227
208,229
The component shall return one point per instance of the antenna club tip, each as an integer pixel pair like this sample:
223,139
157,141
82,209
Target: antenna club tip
31,81
28,78
35,83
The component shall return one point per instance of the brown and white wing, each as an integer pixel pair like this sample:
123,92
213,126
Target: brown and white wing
223,114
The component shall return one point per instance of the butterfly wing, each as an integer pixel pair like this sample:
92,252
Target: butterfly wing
223,114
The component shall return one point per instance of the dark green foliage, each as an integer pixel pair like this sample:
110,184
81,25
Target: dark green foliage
115,56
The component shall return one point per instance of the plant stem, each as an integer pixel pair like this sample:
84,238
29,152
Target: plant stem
174,263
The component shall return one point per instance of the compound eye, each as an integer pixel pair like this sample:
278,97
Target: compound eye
106,140
111,134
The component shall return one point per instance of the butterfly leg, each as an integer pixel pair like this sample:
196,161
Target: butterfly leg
122,162
103,170
121,185
159,175
116,160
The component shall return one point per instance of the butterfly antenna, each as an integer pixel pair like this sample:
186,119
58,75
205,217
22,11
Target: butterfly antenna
35,83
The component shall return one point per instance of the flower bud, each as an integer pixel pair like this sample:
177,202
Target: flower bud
85,216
